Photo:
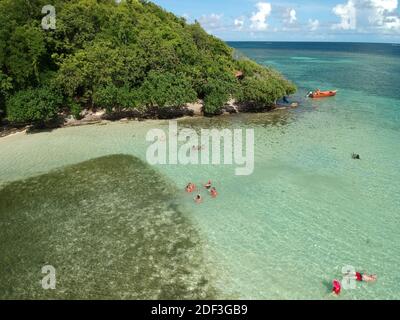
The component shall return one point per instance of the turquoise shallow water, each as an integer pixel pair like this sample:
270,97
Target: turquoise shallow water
308,210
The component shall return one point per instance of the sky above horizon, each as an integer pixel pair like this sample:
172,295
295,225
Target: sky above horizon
293,20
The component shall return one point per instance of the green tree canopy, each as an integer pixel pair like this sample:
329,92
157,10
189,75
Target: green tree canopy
131,54
33,105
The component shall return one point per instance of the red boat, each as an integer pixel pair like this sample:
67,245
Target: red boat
322,94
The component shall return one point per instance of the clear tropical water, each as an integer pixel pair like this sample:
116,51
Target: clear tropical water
111,227
287,230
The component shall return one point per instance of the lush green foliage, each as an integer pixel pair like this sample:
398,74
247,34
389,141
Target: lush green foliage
75,108
114,98
128,55
2,107
5,86
216,94
260,85
33,105
167,89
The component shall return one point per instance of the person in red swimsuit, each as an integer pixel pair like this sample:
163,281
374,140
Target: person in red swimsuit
358,276
365,277
337,287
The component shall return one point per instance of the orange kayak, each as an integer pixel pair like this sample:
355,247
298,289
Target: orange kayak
322,94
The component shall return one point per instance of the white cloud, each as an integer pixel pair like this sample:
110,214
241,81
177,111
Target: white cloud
239,23
384,5
383,14
259,18
368,15
289,17
348,15
212,21
361,16
392,23
313,25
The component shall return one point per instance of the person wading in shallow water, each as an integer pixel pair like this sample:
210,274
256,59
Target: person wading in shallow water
213,192
285,99
198,199
190,187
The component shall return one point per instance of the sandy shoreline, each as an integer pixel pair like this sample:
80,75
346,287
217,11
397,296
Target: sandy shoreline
100,117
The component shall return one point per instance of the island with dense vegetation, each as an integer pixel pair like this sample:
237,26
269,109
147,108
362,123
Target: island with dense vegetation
131,55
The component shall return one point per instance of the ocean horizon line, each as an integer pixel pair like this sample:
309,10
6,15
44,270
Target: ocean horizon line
339,42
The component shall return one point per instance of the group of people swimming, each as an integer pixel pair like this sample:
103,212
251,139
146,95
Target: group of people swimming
358,276
191,187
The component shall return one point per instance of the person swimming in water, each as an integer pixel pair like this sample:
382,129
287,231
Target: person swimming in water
362,277
337,287
356,156
213,192
190,187
208,185
285,99
358,276
198,199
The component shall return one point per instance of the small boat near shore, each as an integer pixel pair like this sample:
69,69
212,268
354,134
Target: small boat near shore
322,94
